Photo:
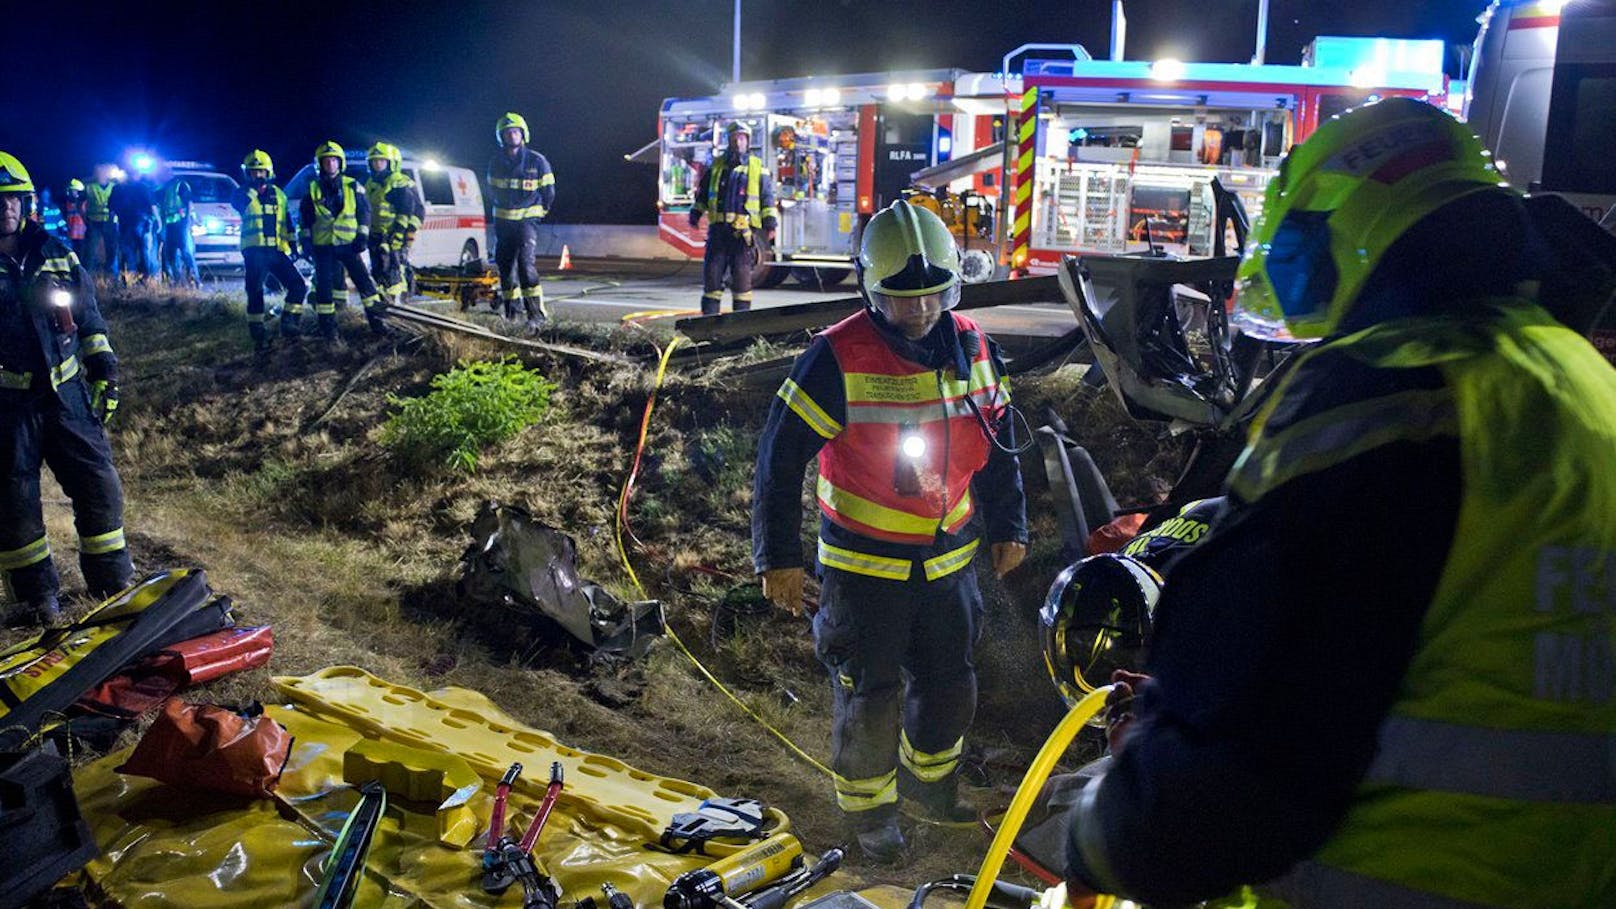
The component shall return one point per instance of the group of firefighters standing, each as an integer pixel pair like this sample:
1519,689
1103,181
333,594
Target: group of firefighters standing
139,226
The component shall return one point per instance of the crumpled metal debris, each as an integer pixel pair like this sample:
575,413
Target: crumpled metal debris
516,561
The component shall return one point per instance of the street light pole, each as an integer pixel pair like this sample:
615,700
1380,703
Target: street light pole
735,62
1262,33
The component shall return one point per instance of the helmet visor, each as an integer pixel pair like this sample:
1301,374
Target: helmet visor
915,316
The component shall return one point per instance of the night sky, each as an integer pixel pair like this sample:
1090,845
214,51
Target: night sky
214,80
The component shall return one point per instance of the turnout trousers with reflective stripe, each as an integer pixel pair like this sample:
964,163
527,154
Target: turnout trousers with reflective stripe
387,269
101,247
902,681
262,261
329,264
728,252
59,431
516,250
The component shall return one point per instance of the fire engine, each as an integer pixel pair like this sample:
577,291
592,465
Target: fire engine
1098,155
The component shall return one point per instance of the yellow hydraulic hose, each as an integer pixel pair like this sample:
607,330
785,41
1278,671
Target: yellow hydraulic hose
1031,785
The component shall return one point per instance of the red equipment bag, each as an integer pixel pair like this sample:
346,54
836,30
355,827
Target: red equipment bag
206,746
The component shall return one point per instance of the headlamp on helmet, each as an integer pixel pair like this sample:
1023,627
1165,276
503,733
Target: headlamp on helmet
1096,620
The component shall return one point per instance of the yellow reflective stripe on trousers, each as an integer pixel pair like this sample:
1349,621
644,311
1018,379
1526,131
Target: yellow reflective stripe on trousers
861,563
97,344
519,214
807,408
17,381
37,551
1339,435
949,562
111,541
873,514
64,371
1517,764
928,768
872,792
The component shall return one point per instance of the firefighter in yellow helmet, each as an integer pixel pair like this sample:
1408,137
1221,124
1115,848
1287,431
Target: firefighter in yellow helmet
58,385
1385,676
334,228
523,187
907,409
267,242
396,210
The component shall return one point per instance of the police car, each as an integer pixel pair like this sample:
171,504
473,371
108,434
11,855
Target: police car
215,226
454,230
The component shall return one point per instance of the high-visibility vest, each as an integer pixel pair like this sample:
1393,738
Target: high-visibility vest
98,202
268,225
1494,782
868,482
382,214
714,205
172,206
334,230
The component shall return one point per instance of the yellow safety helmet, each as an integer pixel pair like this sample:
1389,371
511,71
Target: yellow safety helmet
330,149
258,159
510,121
1340,201
386,152
75,184
13,176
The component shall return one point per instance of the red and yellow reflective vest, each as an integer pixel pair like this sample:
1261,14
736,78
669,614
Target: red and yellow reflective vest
868,484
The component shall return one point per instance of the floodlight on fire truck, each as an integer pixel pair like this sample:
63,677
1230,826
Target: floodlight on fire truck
907,91
1167,69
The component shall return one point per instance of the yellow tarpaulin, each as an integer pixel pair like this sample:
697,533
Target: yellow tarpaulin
165,846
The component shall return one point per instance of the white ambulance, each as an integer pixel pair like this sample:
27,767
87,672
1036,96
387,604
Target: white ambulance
1543,97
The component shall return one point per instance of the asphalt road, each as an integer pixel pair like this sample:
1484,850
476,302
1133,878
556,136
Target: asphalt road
662,291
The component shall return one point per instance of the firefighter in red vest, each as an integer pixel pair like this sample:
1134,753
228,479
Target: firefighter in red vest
906,407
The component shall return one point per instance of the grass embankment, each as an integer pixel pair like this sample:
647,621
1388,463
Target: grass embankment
271,476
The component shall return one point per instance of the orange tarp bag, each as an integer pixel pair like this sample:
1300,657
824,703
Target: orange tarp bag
206,746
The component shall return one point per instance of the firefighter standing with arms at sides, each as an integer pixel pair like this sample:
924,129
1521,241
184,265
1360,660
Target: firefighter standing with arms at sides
334,227
737,195
74,227
134,202
58,385
1384,678
102,237
179,246
267,241
524,192
906,408
395,216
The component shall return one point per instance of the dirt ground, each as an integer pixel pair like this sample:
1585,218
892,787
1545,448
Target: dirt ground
269,475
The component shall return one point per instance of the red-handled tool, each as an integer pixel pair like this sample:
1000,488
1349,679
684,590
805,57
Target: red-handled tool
551,793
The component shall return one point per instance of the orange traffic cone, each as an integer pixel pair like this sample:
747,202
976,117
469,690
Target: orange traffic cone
566,257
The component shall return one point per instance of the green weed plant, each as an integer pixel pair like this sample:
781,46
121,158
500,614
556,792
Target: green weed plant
477,404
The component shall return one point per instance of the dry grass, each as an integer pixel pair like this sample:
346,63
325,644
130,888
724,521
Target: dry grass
270,477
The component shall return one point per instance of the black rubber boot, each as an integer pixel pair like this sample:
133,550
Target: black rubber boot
44,612
878,835
939,802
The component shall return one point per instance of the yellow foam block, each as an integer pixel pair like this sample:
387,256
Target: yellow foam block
420,776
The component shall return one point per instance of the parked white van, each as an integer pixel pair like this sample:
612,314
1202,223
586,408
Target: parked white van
454,230
1543,97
